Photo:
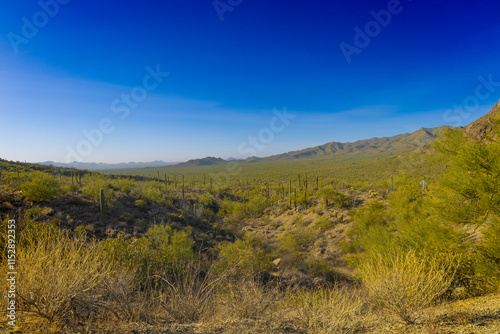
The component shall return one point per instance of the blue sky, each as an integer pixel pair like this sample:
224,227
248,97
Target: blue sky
115,81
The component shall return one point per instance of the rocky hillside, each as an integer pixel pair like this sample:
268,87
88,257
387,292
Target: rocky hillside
482,128
378,147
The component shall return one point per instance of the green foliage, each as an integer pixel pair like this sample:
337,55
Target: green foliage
41,187
158,253
207,199
151,191
125,185
470,191
235,211
296,240
140,204
331,195
488,263
256,205
93,186
323,223
84,229
252,259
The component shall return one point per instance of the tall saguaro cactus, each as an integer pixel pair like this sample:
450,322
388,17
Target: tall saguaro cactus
182,187
102,206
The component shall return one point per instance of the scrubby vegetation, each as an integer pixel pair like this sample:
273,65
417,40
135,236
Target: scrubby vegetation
327,249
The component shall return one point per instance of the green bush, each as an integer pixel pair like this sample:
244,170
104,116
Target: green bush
256,205
252,259
42,187
208,200
93,186
151,191
156,254
323,223
330,195
140,204
125,185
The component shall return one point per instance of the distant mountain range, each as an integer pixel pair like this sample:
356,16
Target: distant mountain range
384,146
97,166
374,147
208,161
379,147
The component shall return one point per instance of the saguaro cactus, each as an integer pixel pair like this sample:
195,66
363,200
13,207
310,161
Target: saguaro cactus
182,187
102,206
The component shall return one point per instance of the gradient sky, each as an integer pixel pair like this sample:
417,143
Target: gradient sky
232,65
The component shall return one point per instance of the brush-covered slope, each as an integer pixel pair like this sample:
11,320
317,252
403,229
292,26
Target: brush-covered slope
483,128
385,146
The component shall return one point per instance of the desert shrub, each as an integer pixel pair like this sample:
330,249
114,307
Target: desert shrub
140,204
487,259
369,234
252,259
248,298
328,310
232,212
296,240
84,229
59,276
126,217
405,284
41,187
93,186
157,253
470,187
323,223
208,201
151,191
125,185
331,195
188,294
256,205
293,247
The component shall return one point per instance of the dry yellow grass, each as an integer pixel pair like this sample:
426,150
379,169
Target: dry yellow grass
329,310
405,285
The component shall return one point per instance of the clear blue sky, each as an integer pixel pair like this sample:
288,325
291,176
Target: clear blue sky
70,67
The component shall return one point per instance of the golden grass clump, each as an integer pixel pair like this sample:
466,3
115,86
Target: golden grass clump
62,279
329,310
403,286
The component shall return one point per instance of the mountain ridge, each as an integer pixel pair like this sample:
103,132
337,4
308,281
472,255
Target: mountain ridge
382,146
483,128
